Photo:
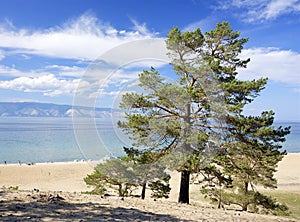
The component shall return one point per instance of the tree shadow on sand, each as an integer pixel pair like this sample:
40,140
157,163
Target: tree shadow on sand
41,208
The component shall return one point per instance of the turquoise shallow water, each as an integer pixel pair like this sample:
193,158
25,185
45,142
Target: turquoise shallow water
54,139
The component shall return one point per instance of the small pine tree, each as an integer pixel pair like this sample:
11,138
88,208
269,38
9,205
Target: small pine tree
131,171
250,157
149,172
115,174
253,152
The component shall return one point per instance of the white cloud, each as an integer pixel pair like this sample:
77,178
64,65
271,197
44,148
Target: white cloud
278,7
83,38
62,71
11,71
140,28
261,10
205,24
278,65
2,55
47,84
24,56
70,71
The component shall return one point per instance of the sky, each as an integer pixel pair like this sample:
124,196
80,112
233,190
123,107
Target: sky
52,50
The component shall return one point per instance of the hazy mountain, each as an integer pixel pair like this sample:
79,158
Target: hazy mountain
31,109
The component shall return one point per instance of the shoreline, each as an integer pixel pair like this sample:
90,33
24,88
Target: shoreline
68,176
50,162
80,161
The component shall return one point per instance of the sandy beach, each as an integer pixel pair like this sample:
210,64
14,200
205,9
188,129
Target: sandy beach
64,176
55,180
68,176
288,174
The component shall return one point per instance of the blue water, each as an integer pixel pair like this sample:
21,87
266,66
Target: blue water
58,139
292,144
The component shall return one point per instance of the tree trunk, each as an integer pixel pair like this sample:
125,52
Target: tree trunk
220,196
120,190
143,191
245,206
246,187
185,174
184,187
219,203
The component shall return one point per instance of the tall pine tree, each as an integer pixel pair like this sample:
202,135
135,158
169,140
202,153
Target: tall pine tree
181,118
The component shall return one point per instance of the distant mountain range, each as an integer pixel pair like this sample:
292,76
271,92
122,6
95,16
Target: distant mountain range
32,109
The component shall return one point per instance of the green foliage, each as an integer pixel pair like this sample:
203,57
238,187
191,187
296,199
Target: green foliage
160,188
131,171
239,93
114,174
269,204
221,49
214,182
253,152
97,180
250,158
252,200
12,188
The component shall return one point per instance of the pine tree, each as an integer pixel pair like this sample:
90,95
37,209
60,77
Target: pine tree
202,109
130,172
112,174
180,117
253,152
148,172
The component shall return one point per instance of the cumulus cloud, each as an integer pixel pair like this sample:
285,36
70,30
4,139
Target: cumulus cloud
278,65
83,38
261,10
47,84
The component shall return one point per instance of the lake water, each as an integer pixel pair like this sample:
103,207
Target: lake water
61,139
57,139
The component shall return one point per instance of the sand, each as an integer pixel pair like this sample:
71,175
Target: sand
32,206
288,174
55,180
66,176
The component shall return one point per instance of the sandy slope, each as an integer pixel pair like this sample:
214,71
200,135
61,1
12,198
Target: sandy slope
68,177
41,206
